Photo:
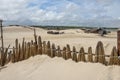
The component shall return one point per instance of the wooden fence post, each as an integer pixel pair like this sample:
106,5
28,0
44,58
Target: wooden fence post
64,53
16,50
59,52
48,49
53,51
23,49
2,43
28,50
32,48
83,58
68,52
44,47
74,57
100,55
90,56
20,55
114,57
111,60
39,45
118,41
35,48
35,36
4,57
96,53
79,56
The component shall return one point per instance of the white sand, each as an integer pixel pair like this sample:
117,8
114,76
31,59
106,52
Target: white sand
45,68
74,37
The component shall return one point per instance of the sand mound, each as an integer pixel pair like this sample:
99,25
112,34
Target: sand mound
45,68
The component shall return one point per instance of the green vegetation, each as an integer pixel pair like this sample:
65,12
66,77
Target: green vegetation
66,27
70,27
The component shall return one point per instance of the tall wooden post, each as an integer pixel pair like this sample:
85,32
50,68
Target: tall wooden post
1,29
35,36
118,41
2,45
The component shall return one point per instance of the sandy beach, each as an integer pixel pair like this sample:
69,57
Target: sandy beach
74,37
45,68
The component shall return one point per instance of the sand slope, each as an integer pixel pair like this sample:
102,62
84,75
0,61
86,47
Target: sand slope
74,37
45,68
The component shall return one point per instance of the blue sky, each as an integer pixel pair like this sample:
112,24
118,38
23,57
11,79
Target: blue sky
61,12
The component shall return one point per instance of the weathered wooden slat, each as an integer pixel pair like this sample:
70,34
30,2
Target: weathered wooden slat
96,53
16,50
35,49
27,52
64,53
101,54
79,55
44,47
74,57
90,56
59,52
35,36
39,45
83,58
53,51
20,53
23,49
28,47
68,52
116,58
118,41
48,49
4,57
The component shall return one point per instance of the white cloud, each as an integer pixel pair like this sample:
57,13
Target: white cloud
119,18
21,10
68,12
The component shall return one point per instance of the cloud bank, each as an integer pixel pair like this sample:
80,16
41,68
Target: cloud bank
61,12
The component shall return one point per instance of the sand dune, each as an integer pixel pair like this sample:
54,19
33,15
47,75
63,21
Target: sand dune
45,68
42,67
71,37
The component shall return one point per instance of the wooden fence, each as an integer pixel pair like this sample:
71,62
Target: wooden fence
38,47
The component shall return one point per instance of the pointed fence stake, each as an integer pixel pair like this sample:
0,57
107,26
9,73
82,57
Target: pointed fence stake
59,52
64,53
118,41
68,52
83,58
90,56
74,57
